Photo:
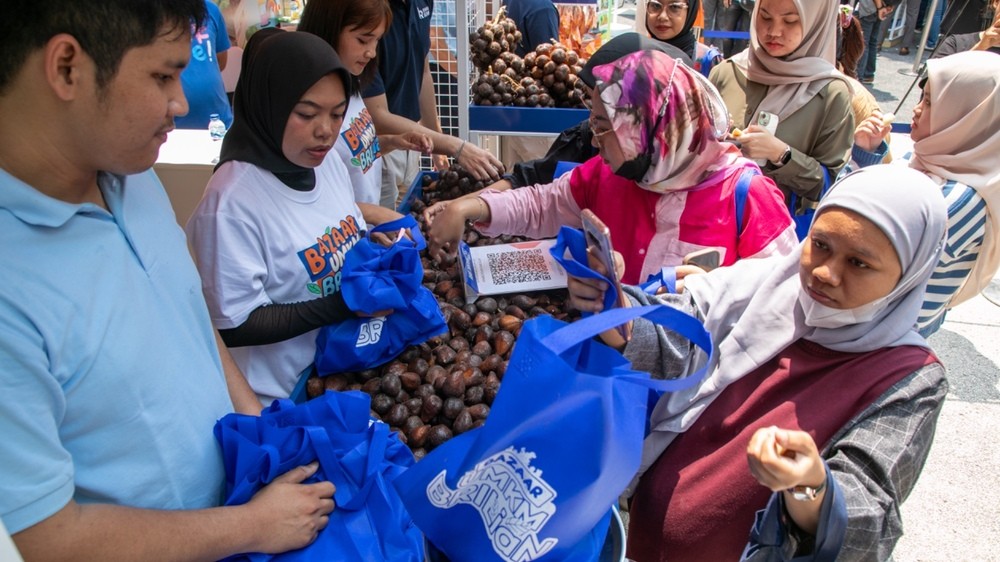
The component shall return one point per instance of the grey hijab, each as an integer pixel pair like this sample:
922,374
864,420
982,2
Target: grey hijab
752,308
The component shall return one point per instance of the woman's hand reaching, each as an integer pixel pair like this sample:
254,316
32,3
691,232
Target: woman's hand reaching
412,140
478,162
870,133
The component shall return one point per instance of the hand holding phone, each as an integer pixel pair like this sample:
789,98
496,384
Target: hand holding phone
599,244
707,259
768,121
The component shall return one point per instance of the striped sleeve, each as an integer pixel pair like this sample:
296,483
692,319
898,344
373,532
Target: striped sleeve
966,232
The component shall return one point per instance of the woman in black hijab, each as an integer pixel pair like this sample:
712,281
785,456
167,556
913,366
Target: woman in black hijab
262,102
270,235
670,21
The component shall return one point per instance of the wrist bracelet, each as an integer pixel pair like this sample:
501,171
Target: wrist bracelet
458,153
806,493
482,210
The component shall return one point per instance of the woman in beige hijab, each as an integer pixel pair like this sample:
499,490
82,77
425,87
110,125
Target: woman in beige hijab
956,134
788,74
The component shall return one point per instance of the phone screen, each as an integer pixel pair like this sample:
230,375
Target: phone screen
599,238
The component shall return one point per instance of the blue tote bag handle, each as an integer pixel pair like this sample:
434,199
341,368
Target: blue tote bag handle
684,324
572,239
406,221
666,279
350,495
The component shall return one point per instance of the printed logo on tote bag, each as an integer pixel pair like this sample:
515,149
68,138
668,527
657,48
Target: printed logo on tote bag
511,497
371,332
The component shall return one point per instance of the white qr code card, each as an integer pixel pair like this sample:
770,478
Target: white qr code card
510,268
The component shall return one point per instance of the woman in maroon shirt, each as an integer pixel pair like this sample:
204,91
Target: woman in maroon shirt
817,412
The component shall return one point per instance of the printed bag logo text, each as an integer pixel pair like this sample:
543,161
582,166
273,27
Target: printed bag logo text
511,497
371,332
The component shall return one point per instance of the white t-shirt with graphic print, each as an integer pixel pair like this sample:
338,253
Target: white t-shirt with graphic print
256,242
359,150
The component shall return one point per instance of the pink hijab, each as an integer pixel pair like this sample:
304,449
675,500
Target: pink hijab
650,96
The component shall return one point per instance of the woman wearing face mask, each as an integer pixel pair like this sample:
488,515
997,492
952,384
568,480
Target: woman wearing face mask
662,182
956,129
575,144
671,21
819,408
788,73
271,232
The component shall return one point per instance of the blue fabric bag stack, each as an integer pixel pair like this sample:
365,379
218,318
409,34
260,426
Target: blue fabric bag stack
377,278
359,456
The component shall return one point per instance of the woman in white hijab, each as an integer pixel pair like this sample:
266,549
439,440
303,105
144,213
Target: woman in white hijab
788,76
956,129
819,381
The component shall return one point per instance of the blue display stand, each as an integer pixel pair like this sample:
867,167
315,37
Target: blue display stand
415,190
539,120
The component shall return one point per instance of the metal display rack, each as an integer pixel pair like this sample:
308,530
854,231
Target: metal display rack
473,120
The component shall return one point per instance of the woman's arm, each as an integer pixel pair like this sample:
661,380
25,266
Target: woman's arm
660,352
240,394
803,174
537,211
377,214
477,161
273,323
875,462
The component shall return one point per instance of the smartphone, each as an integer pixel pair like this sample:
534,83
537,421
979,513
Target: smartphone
768,121
599,240
707,259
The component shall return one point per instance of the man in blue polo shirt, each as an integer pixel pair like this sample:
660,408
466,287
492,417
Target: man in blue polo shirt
111,373
403,93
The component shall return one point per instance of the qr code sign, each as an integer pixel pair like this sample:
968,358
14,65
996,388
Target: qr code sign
518,267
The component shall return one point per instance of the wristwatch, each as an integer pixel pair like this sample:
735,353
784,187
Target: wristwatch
807,493
784,158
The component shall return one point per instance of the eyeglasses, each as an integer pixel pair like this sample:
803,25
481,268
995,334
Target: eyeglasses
596,129
674,9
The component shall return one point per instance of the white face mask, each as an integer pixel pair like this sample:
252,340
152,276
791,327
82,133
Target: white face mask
822,316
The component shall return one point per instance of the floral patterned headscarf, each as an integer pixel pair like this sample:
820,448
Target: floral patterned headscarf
660,107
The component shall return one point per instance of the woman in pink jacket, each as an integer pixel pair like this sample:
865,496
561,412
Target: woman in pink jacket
663,182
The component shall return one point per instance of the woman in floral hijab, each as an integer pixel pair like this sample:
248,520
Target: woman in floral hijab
663,182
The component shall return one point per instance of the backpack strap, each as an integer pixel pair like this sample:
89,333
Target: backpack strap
741,193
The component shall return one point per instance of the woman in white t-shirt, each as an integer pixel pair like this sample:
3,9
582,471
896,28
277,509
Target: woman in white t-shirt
272,230
354,30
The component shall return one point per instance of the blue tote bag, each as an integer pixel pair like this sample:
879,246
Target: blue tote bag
378,278
360,457
562,441
803,217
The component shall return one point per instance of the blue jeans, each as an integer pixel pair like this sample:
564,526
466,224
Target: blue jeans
870,26
935,31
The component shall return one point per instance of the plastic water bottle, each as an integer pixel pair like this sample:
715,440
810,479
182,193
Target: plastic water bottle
216,128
